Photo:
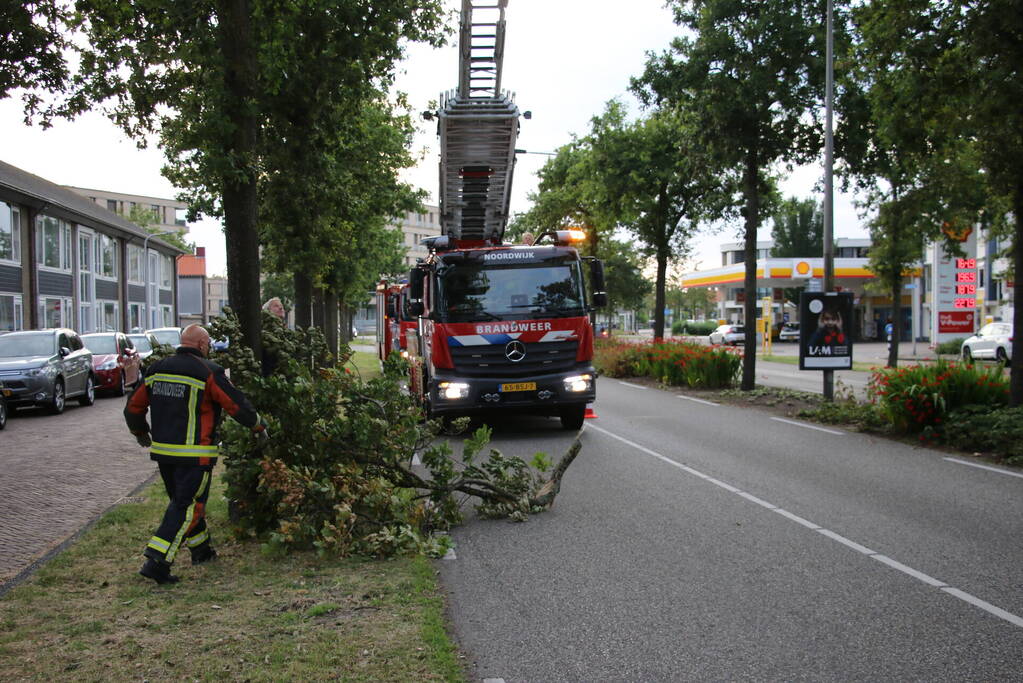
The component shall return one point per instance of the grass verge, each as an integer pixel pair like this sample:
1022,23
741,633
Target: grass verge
794,360
366,364
89,616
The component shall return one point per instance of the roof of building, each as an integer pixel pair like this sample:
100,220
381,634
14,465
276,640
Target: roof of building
23,187
190,265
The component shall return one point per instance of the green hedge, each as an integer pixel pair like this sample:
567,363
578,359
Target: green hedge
696,329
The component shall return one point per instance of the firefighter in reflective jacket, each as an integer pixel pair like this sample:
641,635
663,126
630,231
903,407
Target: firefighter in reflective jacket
185,393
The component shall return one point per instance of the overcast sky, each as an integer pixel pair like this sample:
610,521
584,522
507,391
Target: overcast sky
563,60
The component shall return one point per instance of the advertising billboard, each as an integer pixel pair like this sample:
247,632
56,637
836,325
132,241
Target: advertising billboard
825,322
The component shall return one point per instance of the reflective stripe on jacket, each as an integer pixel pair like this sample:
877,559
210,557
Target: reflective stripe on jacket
186,393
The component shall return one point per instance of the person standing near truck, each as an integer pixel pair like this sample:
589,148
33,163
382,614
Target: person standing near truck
185,394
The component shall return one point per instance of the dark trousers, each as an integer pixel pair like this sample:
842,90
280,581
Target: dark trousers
184,522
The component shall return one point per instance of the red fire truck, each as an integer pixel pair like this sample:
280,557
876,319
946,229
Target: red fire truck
501,327
505,328
393,318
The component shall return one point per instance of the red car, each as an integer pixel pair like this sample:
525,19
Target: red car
115,362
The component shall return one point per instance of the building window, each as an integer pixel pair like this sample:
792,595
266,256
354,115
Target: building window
10,313
136,317
53,243
168,315
109,320
10,233
112,205
106,256
136,265
55,311
157,214
166,272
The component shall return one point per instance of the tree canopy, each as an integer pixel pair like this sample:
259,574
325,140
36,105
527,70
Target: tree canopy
750,73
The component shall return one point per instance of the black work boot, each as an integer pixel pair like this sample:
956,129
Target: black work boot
203,553
158,571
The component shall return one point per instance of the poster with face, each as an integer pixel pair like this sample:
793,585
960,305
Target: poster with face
825,340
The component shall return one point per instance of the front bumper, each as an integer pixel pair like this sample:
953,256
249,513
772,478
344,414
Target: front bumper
485,394
107,379
24,389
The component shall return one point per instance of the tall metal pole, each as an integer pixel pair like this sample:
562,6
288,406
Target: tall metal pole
829,161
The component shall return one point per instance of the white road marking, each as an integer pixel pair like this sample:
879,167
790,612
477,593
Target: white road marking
450,555
985,467
634,386
986,606
698,400
884,559
416,460
803,424
493,680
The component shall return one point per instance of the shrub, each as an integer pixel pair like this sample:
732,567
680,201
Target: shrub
952,347
701,329
993,430
920,397
671,362
678,328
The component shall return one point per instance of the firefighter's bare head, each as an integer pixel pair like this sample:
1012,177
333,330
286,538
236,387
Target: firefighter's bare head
197,338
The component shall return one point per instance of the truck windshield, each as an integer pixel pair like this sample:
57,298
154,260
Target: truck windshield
473,292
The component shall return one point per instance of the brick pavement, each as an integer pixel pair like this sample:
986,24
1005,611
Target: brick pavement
58,472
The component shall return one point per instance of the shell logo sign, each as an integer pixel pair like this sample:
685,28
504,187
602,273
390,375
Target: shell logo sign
801,269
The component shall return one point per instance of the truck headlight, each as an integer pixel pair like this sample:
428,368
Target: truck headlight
578,383
453,390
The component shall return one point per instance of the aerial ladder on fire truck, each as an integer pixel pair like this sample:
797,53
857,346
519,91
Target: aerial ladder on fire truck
478,126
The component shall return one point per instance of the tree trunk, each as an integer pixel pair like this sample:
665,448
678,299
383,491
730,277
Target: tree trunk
751,192
659,292
330,320
1016,362
234,26
893,346
303,300
318,309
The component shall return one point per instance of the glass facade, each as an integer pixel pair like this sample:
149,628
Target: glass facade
10,233
10,313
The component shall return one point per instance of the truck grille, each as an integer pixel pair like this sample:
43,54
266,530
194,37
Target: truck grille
490,361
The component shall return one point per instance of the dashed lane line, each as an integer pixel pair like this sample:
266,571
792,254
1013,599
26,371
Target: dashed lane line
634,386
985,467
1014,619
806,426
698,400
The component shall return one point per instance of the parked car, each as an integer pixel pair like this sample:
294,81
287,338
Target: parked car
789,332
145,343
220,344
3,405
45,368
728,334
115,362
171,336
993,341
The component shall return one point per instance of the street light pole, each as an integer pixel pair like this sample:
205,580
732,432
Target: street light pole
829,200
145,266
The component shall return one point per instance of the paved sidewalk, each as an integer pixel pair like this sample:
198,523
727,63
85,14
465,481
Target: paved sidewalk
58,472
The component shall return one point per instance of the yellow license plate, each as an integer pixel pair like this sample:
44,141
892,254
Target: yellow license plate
519,386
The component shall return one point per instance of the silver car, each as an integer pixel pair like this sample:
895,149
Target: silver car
993,342
728,334
789,332
45,368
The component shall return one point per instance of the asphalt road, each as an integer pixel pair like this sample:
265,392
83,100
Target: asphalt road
712,543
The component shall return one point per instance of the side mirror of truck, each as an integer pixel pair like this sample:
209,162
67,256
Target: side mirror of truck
597,281
415,292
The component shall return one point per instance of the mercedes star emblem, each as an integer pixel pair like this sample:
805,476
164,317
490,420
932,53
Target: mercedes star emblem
515,351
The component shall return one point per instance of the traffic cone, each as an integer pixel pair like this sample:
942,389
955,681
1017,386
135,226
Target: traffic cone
589,414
